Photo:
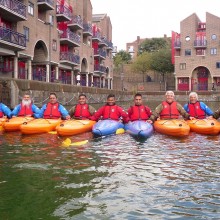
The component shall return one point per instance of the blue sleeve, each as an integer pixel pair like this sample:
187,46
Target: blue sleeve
186,107
16,110
63,111
36,111
206,109
41,113
6,110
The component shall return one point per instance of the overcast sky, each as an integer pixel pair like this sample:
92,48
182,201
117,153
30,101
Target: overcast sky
150,18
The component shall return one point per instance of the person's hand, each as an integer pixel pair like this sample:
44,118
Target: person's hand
67,117
191,118
210,117
149,121
158,118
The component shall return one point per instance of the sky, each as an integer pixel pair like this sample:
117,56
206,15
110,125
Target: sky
150,18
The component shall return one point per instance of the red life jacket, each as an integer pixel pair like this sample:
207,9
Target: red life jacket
111,112
196,111
25,110
82,111
169,110
140,112
52,111
1,112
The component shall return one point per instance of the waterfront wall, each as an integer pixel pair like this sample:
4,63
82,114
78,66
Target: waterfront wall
12,90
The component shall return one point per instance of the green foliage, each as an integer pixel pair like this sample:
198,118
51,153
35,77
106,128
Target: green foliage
142,63
121,57
153,45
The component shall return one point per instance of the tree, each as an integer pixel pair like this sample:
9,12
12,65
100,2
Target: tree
161,62
142,64
121,57
154,45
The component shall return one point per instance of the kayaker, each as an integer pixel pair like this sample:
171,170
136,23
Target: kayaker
26,108
82,110
4,111
139,111
196,108
169,109
111,111
53,109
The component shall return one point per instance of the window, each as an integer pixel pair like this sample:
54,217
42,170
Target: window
30,8
217,64
187,38
26,33
200,52
214,37
187,52
182,66
54,45
213,51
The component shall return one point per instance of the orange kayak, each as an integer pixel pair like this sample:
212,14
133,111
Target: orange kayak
39,125
72,127
173,127
13,124
204,126
2,120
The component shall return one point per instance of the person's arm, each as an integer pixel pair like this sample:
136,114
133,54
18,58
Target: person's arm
216,114
92,110
97,114
129,112
72,111
36,111
156,113
206,109
183,112
123,114
16,110
186,108
63,112
6,110
148,111
41,114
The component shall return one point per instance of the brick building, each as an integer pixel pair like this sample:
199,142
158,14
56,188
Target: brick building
53,40
195,52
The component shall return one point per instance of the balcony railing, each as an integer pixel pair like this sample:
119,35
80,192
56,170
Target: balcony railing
15,6
177,44
110,45
63,13
96,36
99,68
45,4
76,23
103,42
200,43
100,52
71,37
12,37
87,29
70,57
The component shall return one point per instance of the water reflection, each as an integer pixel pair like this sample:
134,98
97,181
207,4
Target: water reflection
116,177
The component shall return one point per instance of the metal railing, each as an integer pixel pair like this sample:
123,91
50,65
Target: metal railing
70,57
71,36
12,37
49,2
61,9
100,69
76,20
14,5
100,52
87,28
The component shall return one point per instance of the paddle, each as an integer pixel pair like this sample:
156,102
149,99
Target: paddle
68,142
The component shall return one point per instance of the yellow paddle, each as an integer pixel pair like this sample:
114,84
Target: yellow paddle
68,142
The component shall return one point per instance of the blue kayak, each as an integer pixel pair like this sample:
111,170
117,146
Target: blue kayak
106,127
139,129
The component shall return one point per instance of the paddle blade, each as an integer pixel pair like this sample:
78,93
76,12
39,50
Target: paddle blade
79,143
120,131
66,143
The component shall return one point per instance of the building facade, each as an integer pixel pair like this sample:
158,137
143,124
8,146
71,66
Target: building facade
52,41
195,52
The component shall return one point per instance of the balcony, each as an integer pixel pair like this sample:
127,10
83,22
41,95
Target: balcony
70,38
45,5
96,36
63,13
76,23
99,69
177,45
69,58
103,42
12,40
13,10
110,46
100,53
87,29
200,43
